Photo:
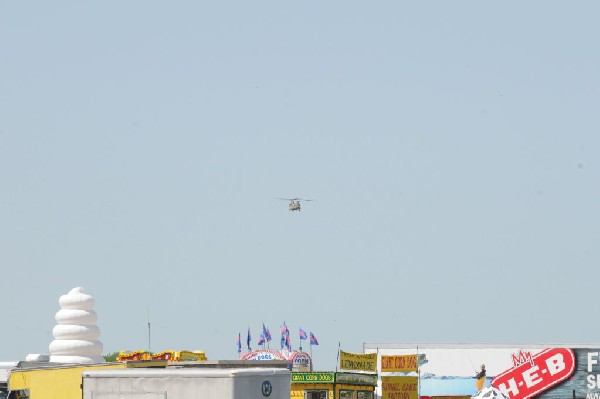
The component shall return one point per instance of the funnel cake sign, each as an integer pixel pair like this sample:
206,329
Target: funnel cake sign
534,374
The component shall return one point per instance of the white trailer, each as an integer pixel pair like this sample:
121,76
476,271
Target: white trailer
187,383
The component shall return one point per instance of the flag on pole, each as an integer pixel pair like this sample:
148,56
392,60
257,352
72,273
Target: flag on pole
249,339
313,339
288,343
302,333
284,334
239,343
266,333
261,339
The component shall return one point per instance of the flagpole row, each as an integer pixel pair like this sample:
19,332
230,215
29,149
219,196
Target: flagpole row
265,338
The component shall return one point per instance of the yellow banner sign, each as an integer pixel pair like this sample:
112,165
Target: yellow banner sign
399,387
403,363
358,361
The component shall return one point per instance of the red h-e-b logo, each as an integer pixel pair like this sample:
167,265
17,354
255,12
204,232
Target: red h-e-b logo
535,374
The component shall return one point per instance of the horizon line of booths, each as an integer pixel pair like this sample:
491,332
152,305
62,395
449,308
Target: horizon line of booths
43,380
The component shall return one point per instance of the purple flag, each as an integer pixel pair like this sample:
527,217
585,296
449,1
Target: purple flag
302,333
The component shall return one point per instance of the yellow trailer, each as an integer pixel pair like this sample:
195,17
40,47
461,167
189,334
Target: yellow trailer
60,381
52,381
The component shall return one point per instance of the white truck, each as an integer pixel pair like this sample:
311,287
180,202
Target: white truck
187,383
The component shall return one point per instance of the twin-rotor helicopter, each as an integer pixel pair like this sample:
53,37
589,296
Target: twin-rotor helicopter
294,204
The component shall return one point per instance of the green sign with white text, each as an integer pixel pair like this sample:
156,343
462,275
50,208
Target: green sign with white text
313,378
357,379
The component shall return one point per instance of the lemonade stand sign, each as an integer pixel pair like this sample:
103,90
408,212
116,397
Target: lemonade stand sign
358,361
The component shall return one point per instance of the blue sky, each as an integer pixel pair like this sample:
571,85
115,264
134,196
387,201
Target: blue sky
451,148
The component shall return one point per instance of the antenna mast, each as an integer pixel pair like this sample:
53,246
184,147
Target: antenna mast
149,347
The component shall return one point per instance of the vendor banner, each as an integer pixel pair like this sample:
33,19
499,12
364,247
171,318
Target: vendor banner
400,363
358,361
525,372
399,387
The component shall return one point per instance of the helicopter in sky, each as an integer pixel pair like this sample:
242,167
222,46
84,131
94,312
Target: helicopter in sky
294,204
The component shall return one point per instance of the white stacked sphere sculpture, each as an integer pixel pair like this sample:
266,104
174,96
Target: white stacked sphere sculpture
76,334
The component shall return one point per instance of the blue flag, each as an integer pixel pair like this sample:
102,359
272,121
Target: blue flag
313,339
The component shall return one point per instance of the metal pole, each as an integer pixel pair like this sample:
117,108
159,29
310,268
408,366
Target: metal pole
149,347
418,376
337,361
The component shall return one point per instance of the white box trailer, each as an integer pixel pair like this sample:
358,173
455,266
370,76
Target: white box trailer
187,383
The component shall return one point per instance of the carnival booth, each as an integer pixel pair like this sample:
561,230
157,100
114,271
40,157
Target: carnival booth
333,385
